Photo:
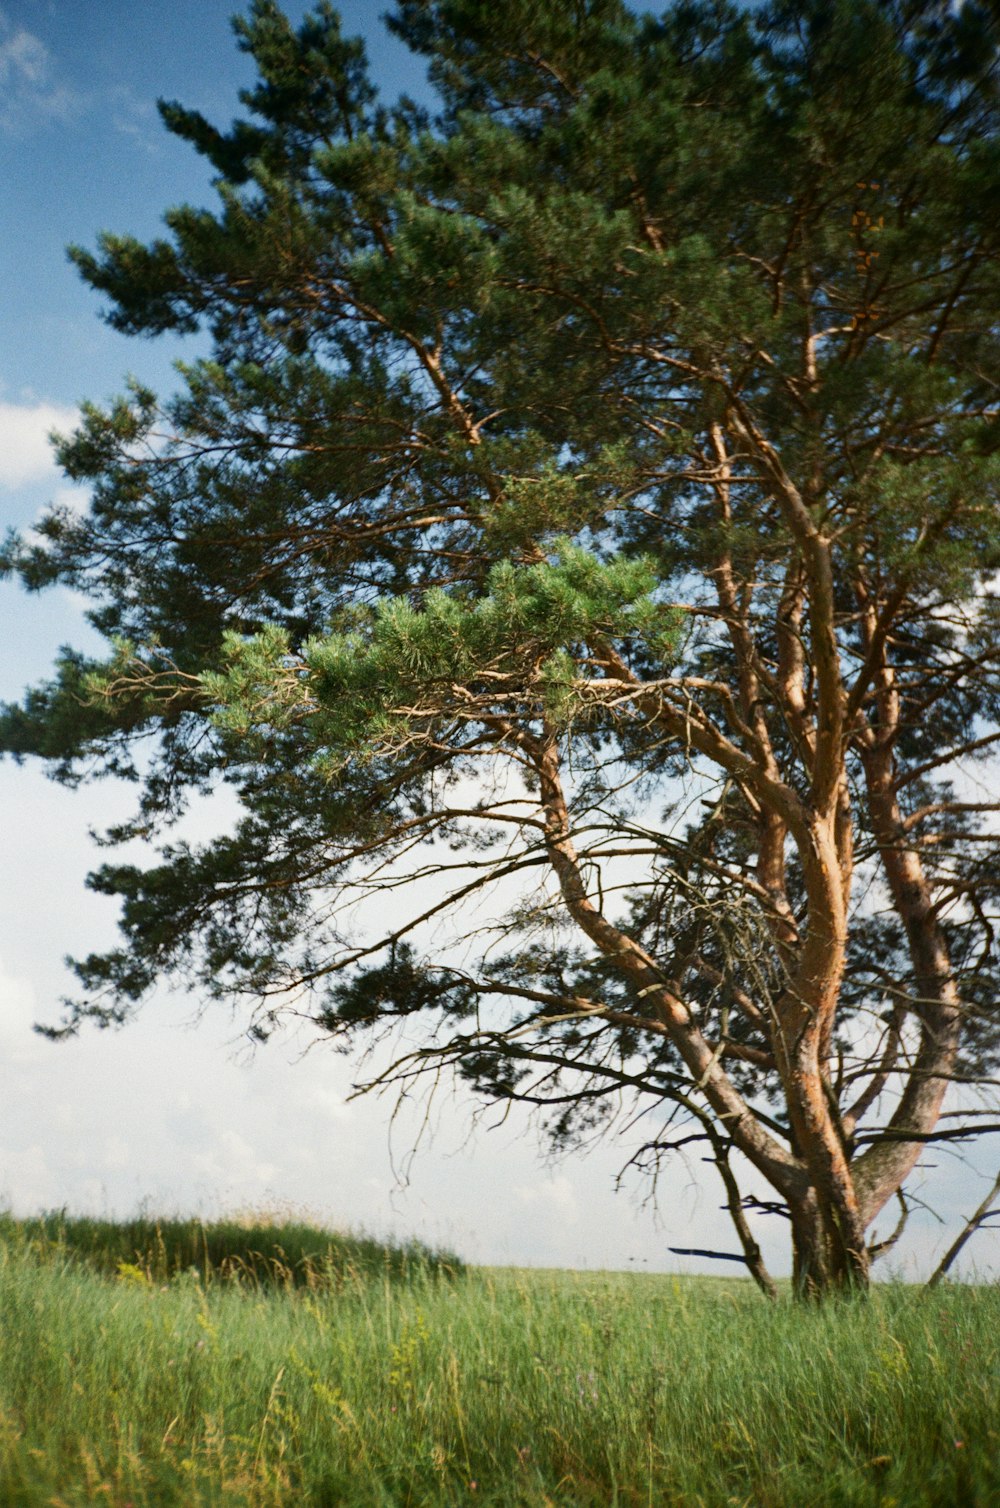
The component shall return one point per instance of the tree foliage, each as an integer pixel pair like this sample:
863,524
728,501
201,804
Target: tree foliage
583,532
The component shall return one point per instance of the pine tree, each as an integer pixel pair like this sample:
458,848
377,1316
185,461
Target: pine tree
583,533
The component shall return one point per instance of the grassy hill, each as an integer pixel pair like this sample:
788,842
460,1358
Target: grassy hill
255,1251
299,1367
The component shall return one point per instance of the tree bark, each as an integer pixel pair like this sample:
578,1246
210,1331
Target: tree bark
825,1258
827,1222
882,1169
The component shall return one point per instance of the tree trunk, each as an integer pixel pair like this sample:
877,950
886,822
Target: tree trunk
826,1258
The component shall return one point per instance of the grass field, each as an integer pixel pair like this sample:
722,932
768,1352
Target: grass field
329,1372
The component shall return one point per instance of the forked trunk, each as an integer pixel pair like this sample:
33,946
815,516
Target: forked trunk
827,1258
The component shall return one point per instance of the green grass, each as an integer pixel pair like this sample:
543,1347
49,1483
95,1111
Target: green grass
257,1251
420,1384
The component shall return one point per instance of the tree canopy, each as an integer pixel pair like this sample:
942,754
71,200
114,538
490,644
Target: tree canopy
578,553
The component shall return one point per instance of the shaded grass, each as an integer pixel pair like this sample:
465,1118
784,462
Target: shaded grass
498,1387
256,1250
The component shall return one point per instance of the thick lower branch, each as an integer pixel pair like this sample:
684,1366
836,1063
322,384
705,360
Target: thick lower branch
777,1165
884,1167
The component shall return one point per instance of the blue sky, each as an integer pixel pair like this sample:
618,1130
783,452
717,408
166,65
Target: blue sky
175,1111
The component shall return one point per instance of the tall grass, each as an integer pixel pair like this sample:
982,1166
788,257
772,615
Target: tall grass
258,1250
495,1387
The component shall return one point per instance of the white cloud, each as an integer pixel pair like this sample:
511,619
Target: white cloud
23,57
25,448
29,91
27,1182
19,1043
138,118
231,1163
328,1102
555,1193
